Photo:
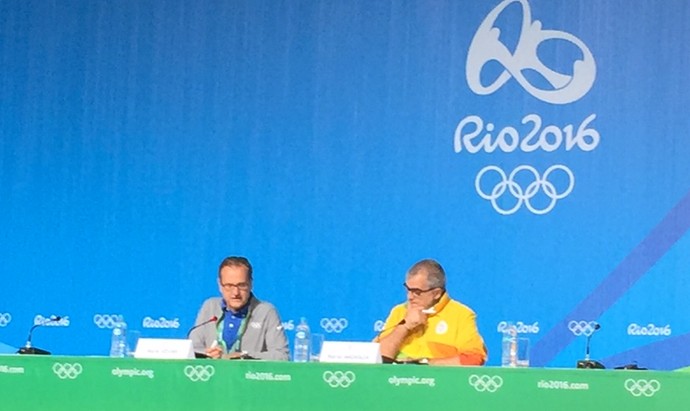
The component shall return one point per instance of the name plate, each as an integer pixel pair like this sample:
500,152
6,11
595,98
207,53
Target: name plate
350,352
164,348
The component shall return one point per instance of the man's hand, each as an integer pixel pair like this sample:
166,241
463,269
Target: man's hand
414,318
391,342
214,352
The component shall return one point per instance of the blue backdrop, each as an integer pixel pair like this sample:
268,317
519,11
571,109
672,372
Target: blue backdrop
536,148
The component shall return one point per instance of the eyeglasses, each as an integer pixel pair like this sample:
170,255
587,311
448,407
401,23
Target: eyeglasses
240,286
416,291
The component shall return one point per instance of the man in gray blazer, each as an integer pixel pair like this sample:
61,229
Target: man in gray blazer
245,327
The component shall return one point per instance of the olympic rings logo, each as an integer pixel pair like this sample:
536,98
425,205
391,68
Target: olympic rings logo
339,379
539,184
106,320
642,387
334,325
579,328
5,319
66,370
201,373
485,383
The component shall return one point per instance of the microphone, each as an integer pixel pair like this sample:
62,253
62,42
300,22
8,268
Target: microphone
385,359
587,362
589,338
27,348
210,320
384,330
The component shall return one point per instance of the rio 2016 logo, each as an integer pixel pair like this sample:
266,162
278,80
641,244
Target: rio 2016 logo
649,330
486,47
520,327
473,134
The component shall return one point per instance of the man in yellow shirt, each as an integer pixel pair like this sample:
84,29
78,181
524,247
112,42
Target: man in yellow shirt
430,326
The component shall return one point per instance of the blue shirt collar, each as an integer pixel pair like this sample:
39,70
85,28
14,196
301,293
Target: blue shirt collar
241,313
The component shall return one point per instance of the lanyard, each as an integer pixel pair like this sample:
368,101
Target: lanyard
219,331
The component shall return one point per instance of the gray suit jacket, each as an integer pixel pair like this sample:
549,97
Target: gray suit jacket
263,337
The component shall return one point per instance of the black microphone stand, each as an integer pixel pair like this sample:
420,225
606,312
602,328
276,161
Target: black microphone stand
189,333
587,362
27,348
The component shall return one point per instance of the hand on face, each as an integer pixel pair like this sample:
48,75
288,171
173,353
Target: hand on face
420,296
414,317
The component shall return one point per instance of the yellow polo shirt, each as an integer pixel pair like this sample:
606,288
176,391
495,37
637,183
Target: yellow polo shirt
450,331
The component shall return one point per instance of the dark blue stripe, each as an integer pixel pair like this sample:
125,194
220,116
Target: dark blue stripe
622,278
662,355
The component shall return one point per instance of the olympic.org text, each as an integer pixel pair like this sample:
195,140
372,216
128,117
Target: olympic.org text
266,376
562,385
398,381
6,369
132,372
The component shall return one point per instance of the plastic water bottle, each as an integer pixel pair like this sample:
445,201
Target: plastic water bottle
118,341
302,342
509,346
